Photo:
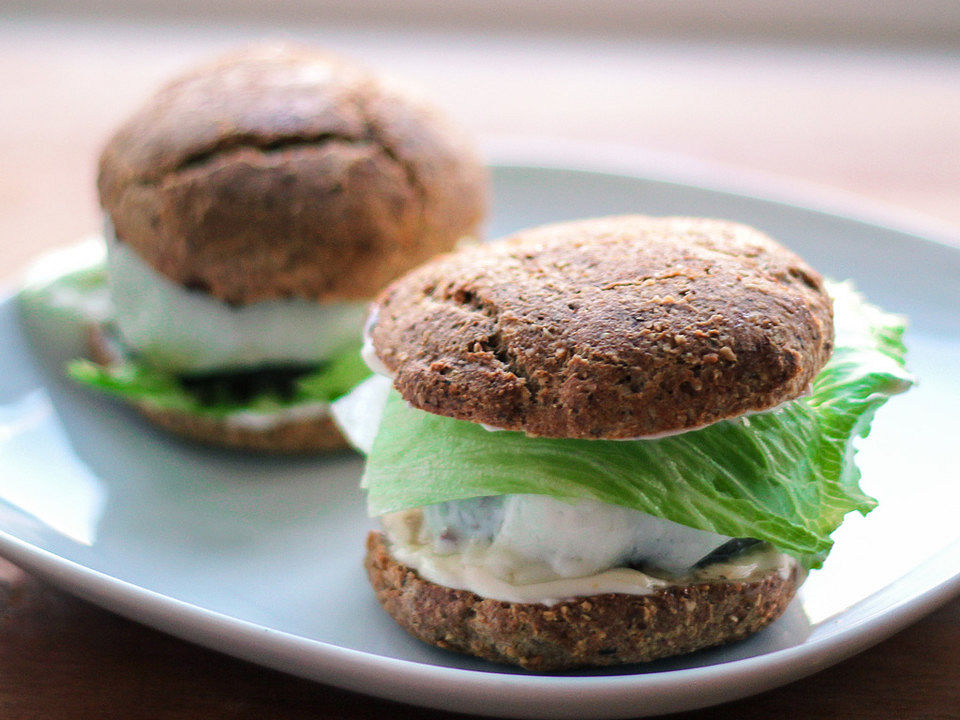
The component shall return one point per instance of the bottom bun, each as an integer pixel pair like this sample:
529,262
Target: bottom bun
609,629
303,435
294,436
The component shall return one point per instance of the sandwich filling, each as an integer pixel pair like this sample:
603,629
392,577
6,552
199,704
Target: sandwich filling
509,516
178,349
537,549
191,332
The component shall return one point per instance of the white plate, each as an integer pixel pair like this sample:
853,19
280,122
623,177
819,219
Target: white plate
261,558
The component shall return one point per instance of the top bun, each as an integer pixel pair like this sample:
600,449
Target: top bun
279,171
613,328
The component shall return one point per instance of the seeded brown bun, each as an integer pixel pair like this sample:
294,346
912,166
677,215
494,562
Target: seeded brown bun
292,437
279,171
607,328
611,629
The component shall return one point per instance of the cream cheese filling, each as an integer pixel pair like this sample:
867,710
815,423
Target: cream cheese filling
253,420
188,331
499,574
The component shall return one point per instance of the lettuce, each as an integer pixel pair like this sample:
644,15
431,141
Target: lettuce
785,476
142,383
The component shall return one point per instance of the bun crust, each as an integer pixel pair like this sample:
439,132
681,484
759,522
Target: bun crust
610,629
279,171
292,437
615,327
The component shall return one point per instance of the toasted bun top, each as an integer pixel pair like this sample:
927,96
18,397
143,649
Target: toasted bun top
280,171
608,328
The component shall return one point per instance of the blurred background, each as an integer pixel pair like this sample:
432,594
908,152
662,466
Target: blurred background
855,97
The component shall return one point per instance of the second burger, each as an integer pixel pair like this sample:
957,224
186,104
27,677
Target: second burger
252,207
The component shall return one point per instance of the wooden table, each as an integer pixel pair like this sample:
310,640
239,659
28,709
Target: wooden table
879,124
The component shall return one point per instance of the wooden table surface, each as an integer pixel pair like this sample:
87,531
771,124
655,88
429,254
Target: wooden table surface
883,125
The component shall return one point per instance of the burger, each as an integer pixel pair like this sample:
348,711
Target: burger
252,208
612,440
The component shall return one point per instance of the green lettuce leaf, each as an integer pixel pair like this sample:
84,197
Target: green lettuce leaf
135,381
785,476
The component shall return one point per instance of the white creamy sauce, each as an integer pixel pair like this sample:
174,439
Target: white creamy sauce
189,331
252,420
574,537
571,538
654,436
498,573
492,428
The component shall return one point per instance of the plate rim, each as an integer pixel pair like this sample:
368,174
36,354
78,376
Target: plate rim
356,669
